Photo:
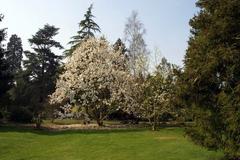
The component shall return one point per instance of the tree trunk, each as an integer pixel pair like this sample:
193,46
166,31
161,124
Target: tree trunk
38,121
153,124
52,120
38,125
153,127
100,118
99,122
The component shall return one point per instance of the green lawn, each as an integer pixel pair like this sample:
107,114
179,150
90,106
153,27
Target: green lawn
165,144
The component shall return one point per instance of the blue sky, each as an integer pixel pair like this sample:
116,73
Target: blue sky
166,21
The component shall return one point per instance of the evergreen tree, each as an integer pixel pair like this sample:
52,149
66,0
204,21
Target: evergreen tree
119,45
212,76
88,27
42,66
5,77
14,55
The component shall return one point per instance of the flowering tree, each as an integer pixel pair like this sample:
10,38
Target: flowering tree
157,92
156,99
95,79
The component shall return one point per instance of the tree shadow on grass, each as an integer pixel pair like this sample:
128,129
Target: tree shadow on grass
50,132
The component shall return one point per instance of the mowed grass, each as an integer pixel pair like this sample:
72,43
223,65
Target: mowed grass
165,144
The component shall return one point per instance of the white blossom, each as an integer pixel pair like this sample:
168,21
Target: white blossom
95,78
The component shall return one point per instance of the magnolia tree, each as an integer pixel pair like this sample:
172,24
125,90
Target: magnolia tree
95,80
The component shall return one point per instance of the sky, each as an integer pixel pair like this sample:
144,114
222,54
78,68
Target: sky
166,21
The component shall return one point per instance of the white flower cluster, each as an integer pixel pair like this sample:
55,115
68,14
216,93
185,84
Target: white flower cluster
94,77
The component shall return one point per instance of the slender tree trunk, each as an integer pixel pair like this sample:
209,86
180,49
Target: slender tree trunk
100,123
38,121
100,119
52,120
38,125
154,123
154,127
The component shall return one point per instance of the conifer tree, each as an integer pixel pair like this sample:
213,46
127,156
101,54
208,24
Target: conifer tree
119,45
42,66
5,77
88,28
212,76
14,54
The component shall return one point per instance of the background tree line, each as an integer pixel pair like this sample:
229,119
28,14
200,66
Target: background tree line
205,91
33,78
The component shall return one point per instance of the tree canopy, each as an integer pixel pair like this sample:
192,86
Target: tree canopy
88,27
212,76
42,65
94,79
5,76
14,53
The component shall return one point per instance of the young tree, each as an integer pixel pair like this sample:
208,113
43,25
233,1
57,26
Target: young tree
14,54
94,80
88,27
212,76
5,77
156,58
157,92
137,50
42,67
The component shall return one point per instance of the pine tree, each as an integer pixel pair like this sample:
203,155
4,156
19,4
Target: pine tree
119,45
88,27
212,76
42,65
14,54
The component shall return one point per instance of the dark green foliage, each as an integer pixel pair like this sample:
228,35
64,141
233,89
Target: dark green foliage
14,54
21,109
21,114
14,59
120,46
5,77
123,116
88,27
42,67
212,76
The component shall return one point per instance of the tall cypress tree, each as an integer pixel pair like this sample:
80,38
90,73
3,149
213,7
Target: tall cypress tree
212,76
42,65
14,55
88,27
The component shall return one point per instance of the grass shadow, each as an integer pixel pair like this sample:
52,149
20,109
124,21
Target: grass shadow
49,132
